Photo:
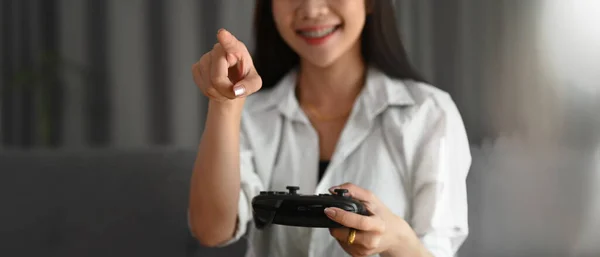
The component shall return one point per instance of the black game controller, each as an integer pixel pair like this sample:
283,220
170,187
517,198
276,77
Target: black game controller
293,209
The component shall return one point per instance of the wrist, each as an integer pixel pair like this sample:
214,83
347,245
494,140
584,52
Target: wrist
227,107
406,243
226,114
410,247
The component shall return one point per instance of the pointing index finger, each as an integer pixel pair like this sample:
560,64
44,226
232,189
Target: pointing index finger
229,42
236,52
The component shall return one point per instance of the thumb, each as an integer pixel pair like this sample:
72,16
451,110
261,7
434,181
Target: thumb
249,85
356,192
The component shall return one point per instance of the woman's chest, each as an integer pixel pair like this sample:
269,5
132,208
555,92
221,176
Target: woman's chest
367,162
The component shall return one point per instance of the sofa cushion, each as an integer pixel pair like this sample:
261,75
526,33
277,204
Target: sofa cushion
98,203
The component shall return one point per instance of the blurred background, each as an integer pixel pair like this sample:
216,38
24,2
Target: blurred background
100,120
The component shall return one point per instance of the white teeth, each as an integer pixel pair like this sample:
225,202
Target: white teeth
318,33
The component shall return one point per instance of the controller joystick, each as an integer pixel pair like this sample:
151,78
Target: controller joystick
341,192
294,209
293,189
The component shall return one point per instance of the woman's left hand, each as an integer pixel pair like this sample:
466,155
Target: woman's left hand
382,232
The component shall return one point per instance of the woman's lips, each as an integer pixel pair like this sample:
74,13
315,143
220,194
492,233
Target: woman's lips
317,35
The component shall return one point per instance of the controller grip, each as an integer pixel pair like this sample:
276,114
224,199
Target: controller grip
264,212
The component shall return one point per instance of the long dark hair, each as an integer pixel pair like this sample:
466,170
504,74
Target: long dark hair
381,45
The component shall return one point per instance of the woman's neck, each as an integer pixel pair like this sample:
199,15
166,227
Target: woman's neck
338,83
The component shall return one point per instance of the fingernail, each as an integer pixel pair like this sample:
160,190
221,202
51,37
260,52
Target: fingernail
330,212
239,90
219,31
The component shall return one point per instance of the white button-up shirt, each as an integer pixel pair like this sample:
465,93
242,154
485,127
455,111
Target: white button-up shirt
404,141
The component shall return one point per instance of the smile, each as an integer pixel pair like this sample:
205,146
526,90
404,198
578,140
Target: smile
317,36
318,33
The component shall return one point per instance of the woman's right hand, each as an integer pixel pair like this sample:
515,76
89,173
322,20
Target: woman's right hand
226,75
227,71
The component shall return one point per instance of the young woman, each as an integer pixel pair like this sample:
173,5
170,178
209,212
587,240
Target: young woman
339,106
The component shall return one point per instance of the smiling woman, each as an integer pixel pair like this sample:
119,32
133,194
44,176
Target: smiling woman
375,34
390,139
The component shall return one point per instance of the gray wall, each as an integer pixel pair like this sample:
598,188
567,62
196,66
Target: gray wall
124,76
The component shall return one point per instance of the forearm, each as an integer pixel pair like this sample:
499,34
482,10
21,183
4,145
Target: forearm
216,174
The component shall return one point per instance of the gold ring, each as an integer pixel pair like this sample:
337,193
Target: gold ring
351,236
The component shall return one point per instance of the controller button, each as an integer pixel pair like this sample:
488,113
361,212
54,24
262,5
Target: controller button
271,193
263,192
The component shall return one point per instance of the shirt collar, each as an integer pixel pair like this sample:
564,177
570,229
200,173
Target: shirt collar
380,91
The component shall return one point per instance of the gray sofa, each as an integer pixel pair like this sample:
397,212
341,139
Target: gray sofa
522,202
98,203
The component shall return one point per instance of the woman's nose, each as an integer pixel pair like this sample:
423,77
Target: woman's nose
313,9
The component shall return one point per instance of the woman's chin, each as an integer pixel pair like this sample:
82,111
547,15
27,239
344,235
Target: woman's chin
319,61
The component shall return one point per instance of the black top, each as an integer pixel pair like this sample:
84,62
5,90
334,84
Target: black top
322,167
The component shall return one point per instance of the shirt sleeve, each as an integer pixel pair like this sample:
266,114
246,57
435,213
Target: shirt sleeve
251,185
440,166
